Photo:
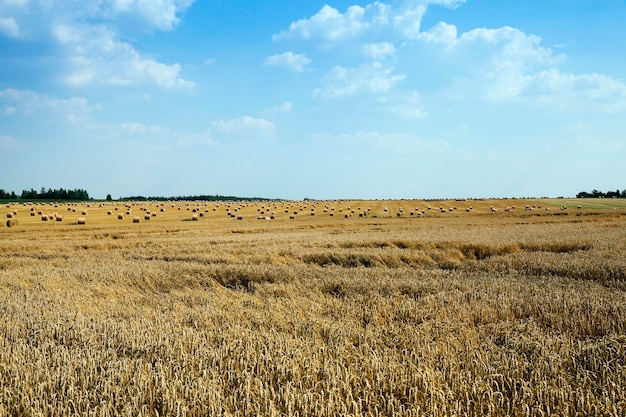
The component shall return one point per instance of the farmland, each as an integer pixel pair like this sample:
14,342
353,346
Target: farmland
495,307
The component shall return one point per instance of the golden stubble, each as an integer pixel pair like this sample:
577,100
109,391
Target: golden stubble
455,312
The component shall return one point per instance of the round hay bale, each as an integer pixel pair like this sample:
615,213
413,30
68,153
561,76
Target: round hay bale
59,218
12,223
9,215
109,213
32,214
120,217
136,219
194,218
82,220
44,218
147,217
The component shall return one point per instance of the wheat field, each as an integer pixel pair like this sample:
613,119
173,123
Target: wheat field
345,308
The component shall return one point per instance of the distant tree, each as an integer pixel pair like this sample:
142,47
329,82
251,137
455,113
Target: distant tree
109,198
13,195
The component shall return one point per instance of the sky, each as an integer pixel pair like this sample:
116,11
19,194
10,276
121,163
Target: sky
292,99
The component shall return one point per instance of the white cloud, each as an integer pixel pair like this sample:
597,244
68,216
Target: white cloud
140,128
294,62
409,21
28,102
245,124
286,107
7,143
408,107
201,139
558,89
330,25
379,51
441,33
370,78
9,27
160,14
14,3
508,48
8,110
90,34
97,57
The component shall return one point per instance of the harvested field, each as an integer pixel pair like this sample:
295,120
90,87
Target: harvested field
519,311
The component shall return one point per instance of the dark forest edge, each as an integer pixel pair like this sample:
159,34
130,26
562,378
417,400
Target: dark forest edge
600,194
195,198
82,195
46,194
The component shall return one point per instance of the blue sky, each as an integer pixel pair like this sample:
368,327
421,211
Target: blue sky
295,99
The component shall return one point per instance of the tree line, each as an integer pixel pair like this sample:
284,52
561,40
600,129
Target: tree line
600,194
46,194
194,198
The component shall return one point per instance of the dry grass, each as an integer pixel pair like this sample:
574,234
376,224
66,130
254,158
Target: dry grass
518,312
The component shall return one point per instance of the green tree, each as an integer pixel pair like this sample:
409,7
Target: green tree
109,198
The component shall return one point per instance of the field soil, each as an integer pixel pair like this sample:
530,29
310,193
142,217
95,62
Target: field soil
314,308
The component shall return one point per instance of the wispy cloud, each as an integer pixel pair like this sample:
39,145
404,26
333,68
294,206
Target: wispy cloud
97,57
32,103
286,107
9,27
245,124
7,143
94,38
294,62
371,78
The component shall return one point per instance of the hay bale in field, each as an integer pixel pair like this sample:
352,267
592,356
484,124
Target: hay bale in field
82,220
84,213
44,218
109,213
136,219
239,217
32,214
12,222
147,217
9,215
58,218
120,217
194,218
